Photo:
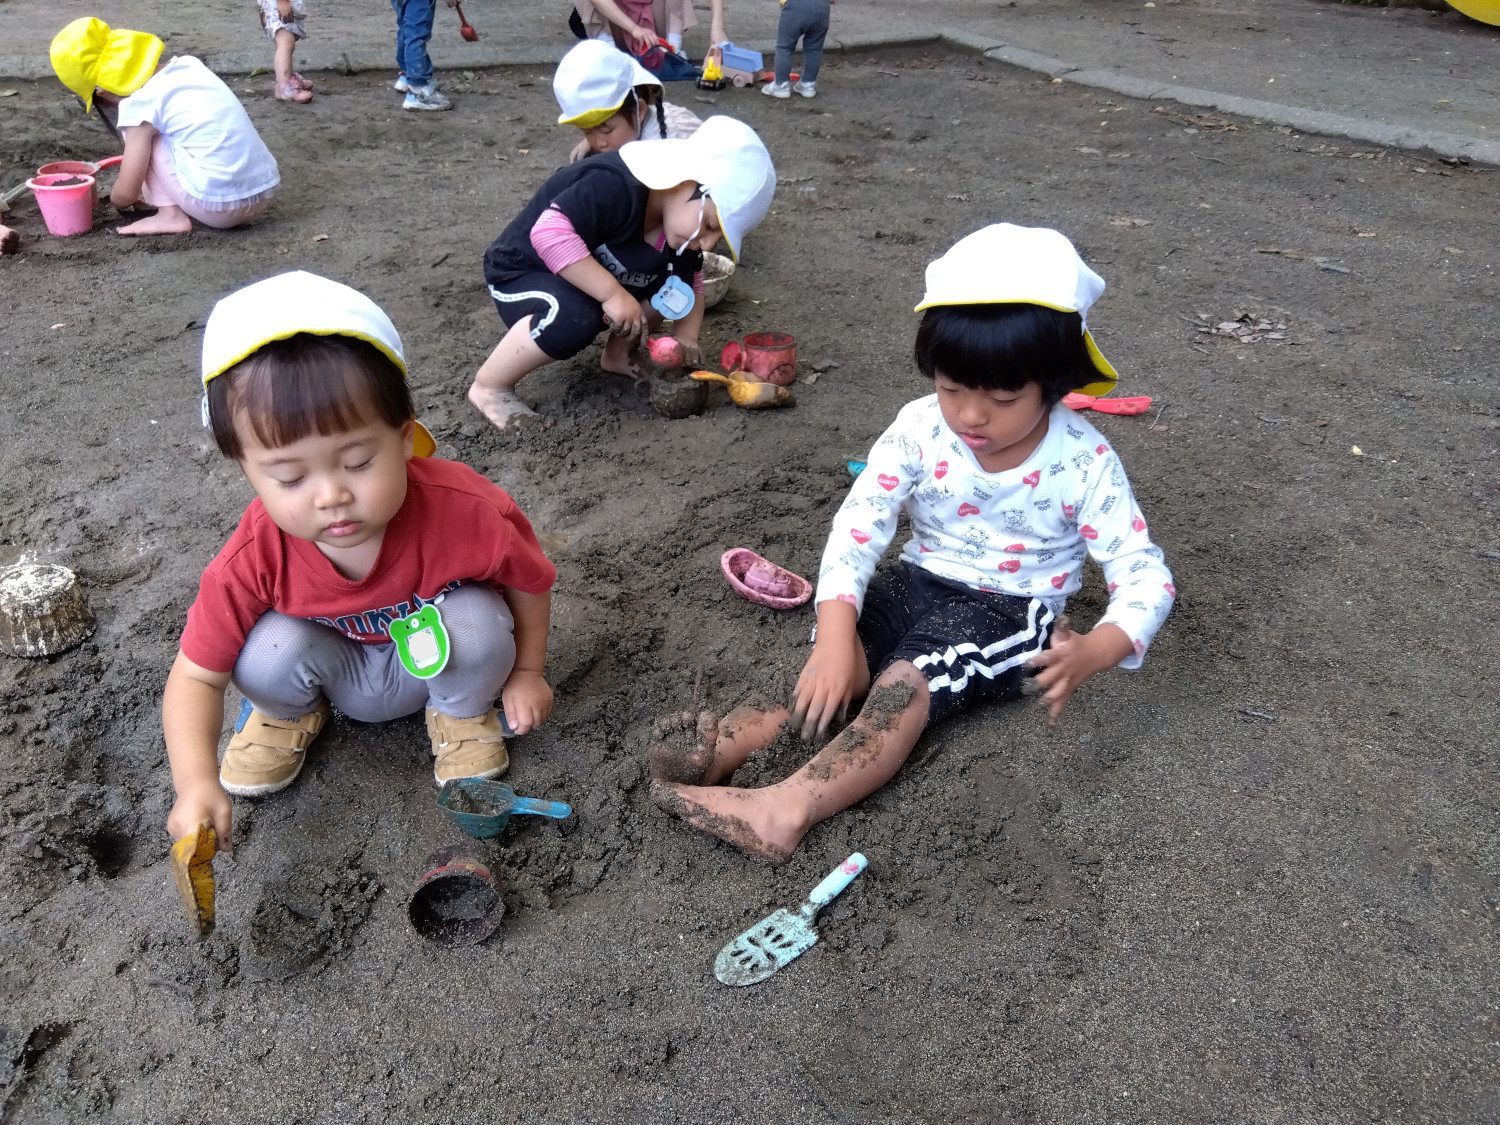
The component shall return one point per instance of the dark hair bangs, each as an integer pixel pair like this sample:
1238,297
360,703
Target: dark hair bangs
291,389
1005,347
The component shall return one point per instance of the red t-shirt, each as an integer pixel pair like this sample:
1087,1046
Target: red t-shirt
454,527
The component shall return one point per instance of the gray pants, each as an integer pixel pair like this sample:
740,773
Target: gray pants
806,20
289,663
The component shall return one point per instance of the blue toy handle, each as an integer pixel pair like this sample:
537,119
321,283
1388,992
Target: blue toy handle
839,878
555,809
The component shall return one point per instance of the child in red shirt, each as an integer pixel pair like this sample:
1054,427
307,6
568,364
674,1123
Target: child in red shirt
366,574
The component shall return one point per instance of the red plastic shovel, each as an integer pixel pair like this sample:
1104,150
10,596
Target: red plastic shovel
1076,401
466,29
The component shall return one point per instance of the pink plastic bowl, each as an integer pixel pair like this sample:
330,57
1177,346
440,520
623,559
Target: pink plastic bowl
764,582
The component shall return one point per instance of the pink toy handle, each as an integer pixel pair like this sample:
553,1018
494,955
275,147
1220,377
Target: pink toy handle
839,878
107,162
732,358
1138,405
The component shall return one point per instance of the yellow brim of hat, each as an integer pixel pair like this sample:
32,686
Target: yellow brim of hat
1108,376
589,118
89,54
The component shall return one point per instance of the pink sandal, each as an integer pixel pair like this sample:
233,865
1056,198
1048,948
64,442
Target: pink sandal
764,582
291,92
305,83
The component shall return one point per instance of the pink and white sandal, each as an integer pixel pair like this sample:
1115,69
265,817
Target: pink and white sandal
291,92
764,582
299,80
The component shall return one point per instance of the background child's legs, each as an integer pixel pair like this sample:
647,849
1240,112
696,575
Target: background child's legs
806,20
288,664
814,31
413,30
286,42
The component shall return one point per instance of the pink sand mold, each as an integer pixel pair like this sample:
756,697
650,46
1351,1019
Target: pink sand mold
764,582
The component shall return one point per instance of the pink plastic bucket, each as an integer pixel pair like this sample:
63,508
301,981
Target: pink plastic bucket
79,168
771,356
67,202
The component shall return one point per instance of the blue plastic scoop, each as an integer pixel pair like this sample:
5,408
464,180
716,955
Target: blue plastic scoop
483,808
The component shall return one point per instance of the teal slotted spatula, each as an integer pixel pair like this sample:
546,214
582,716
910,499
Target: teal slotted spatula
777,940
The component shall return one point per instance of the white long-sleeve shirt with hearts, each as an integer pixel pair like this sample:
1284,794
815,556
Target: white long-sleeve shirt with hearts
1023,532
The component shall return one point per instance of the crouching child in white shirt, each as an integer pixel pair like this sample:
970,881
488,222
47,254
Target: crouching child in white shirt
1007,492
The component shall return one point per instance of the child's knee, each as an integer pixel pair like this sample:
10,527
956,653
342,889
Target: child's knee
480,627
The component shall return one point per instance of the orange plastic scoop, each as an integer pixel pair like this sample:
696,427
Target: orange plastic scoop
748,391
192,867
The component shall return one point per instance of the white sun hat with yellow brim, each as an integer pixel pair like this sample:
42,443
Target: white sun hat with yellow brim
593,82
726,158
1007,264
290,304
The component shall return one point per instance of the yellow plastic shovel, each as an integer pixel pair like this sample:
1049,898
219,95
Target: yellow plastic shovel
192,866
748,391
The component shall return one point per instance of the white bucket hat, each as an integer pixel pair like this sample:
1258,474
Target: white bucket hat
1007,264
287,305
727,158
594,80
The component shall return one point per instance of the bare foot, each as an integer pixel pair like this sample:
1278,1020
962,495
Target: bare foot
760,822
619,358
10,241
502,407
167,220
684,747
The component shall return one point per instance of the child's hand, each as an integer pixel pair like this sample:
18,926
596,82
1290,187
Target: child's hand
201,802
692,353
527,700
284,10
627,317
835,672
1073,658
642,38
580,150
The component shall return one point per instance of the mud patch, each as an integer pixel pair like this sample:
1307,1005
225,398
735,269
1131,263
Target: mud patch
297,927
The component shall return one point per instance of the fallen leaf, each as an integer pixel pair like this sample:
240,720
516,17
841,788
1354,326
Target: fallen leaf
1364,234
1128,222
1452,250
55,327
320,238
1088,151
523,151
9,93
1331,266
1356,450
960,198
257,72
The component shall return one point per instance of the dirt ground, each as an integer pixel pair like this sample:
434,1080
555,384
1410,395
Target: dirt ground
1253,882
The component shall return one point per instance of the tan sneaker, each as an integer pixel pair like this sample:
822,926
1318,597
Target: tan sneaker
266,754
467,747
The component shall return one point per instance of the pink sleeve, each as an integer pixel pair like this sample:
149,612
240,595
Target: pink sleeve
556,242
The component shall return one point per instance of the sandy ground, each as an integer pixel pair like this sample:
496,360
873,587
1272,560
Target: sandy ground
1253,882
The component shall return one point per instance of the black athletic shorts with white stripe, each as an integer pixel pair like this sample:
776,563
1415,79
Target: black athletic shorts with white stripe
971,645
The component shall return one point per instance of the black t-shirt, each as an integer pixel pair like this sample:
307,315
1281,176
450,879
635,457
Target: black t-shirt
607,206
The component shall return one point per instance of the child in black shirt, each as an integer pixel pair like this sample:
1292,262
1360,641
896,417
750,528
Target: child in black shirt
607,236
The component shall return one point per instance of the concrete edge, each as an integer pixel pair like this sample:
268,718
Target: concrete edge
1363,129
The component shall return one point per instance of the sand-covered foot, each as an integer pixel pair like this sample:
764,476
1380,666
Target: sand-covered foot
502,408
168,220
684,747
619,358
757,821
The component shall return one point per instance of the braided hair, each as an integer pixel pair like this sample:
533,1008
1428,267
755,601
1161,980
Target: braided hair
652,96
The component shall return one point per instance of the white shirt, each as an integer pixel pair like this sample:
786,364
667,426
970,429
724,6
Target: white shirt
1023,532
218,156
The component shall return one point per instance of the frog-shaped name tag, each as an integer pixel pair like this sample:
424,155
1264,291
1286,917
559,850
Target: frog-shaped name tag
675,299
421,642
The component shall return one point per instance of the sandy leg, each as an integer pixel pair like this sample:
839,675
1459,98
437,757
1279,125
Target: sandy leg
515,356
770,822
169,219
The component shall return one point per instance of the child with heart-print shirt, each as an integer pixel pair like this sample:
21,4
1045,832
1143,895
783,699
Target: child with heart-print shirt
1007,492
